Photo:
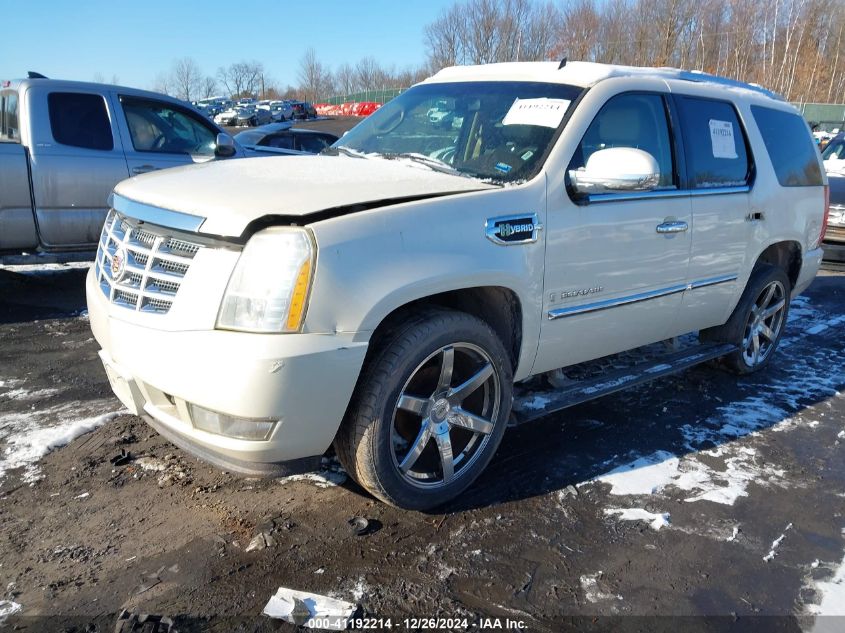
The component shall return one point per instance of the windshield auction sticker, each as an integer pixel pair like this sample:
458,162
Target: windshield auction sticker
722,139
545,112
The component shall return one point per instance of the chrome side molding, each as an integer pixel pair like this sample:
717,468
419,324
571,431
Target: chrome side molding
559,313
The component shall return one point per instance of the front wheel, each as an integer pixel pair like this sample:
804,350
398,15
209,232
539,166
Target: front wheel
429,410
757,322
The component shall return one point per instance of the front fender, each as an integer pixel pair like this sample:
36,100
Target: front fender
373,262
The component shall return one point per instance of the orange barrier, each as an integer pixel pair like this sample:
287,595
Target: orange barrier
352,108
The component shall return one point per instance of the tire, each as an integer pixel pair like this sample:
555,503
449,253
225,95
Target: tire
760,315
409,419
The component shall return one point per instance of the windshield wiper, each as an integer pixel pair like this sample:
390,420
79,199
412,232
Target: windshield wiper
342,149
433,163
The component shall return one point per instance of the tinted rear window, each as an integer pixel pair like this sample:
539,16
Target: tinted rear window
714,144
80,120
790,146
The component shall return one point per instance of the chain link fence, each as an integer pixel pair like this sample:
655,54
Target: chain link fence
372,96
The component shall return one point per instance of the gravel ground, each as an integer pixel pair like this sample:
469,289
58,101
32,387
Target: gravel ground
698,502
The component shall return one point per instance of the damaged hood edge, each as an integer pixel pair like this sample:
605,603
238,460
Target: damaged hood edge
224,198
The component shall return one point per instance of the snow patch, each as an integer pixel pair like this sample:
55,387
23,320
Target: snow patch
7,608
643,476
776,543
537,403
323,479
27,437
25,394
655,520
832,600
592,591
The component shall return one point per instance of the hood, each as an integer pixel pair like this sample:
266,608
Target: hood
230,194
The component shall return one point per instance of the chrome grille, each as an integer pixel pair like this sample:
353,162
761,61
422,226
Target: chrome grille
154,264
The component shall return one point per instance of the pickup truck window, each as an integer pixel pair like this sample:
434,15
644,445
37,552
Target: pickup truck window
80,119
635,120
9,129
790,146
160,127
499,131
714,144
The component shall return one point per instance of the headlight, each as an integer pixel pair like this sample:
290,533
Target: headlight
268,290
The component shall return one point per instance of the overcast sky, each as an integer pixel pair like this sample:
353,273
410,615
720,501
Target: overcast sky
138,39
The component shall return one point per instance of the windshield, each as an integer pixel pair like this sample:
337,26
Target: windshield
492,130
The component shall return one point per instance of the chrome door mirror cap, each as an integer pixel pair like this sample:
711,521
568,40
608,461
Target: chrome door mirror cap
225,146
616,169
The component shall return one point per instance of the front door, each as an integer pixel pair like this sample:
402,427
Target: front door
616,264
161,135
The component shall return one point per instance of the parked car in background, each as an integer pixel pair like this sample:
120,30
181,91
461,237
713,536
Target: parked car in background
285,139
64,145
252,117
390,295
303,110
227,117
834,239
281,111
833,154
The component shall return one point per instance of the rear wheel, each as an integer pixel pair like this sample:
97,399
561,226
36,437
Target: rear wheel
429,411
757,323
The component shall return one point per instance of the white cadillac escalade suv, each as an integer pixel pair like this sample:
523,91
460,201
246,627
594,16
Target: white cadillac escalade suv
398,295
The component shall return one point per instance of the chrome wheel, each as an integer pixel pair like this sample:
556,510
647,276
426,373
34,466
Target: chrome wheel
444,416
765,322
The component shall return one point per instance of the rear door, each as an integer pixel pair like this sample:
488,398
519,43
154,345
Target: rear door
76,160
719,176
17,224
160,134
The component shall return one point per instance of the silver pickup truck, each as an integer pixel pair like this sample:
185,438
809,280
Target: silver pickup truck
64,145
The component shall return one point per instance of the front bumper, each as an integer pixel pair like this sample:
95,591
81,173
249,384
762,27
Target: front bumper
304,381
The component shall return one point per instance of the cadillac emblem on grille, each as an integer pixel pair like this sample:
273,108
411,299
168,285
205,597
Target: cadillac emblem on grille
118,265
141,267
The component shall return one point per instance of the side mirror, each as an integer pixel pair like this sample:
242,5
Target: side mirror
225,146
616,169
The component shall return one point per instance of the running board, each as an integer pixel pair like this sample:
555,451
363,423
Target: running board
534,404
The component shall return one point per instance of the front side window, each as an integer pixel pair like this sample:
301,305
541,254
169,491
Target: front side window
631,120
281,140
314,143
790,146
714,144
160,127
80,120
9,130
500,131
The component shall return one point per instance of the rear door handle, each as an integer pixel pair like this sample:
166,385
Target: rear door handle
675,226
143,169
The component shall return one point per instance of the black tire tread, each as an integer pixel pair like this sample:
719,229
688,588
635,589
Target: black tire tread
354,443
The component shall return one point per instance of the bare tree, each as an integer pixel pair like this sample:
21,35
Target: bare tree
209,87
242,78
186,78
344,78
366,73
314,78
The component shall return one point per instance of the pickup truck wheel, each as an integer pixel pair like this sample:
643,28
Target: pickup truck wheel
757,323
429,411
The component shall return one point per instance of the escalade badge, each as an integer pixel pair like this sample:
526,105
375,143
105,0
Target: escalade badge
508,230
118,265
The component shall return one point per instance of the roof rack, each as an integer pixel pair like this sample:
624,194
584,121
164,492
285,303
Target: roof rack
701,76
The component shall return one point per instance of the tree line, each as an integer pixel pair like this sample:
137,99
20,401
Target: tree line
794,47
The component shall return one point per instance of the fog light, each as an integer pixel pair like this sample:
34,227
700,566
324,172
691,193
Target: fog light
230,426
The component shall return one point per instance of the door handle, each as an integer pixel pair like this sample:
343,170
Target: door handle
143,169
675,226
